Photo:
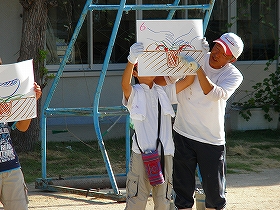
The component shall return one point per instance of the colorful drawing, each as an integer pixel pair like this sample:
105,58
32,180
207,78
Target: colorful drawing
17,96
163,41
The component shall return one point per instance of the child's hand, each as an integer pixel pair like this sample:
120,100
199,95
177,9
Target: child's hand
135,51
189,62
37,90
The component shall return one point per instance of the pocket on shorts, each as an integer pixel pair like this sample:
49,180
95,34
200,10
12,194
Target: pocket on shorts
169,188
132,185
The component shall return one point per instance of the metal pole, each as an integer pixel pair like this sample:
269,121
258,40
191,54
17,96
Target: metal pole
54,85
97,97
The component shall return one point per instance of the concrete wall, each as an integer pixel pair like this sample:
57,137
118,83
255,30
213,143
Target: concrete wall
253,71
76,88
10,30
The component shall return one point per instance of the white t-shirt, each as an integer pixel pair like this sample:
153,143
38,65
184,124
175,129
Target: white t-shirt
201,117
147,128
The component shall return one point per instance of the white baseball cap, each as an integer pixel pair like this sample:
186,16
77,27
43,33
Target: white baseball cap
232,44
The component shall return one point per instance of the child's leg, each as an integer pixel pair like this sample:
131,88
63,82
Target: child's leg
162,193
138,187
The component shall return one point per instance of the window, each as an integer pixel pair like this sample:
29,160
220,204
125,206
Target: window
63,20
253,20
61,24
103,22
257,25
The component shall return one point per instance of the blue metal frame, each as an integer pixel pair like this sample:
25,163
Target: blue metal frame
97,111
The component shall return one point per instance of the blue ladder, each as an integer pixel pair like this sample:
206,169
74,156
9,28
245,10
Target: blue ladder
96,112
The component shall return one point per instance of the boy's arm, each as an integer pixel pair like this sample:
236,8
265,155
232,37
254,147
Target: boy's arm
23,125
126,80
166,80
183,83
180,84
134,52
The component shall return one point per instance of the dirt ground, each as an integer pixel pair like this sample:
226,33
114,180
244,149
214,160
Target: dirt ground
252,191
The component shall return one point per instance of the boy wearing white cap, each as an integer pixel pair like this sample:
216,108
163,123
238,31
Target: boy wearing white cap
199,135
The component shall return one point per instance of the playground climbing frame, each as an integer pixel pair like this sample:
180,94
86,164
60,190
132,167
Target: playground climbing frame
97,112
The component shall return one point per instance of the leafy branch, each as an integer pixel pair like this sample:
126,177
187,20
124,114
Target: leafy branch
45,76
265,95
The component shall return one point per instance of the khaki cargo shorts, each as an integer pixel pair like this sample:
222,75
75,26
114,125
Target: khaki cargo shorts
13,190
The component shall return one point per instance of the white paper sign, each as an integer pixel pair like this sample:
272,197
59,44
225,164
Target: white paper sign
163,41
17,95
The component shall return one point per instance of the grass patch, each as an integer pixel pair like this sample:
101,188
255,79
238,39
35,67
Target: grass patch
252,150
239,166
67,159
246,151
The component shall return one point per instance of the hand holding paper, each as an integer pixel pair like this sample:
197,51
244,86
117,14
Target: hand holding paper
189,62
135,51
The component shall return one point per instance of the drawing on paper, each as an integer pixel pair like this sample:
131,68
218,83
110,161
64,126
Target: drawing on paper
17,96
163,41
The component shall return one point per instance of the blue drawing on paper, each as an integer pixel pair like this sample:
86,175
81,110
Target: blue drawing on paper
8,89
164,42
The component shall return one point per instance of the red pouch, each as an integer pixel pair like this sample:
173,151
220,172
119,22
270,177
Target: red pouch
153,168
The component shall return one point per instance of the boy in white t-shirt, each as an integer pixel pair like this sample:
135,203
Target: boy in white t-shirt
142,102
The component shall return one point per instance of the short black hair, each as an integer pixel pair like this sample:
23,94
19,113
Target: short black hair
136,81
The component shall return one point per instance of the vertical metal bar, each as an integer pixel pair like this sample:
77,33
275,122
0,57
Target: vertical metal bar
44,145
172,12
97,97
186,14
90,41
208,15
139,13
278,44
55,83
232,13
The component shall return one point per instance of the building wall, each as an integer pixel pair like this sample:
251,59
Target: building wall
77,89
253,71
10,30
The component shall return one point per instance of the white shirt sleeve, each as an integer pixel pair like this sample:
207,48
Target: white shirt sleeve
225,86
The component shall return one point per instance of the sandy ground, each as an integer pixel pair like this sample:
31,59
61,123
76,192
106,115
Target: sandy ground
253,191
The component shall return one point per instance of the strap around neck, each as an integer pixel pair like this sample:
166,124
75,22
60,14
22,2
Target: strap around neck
159,122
